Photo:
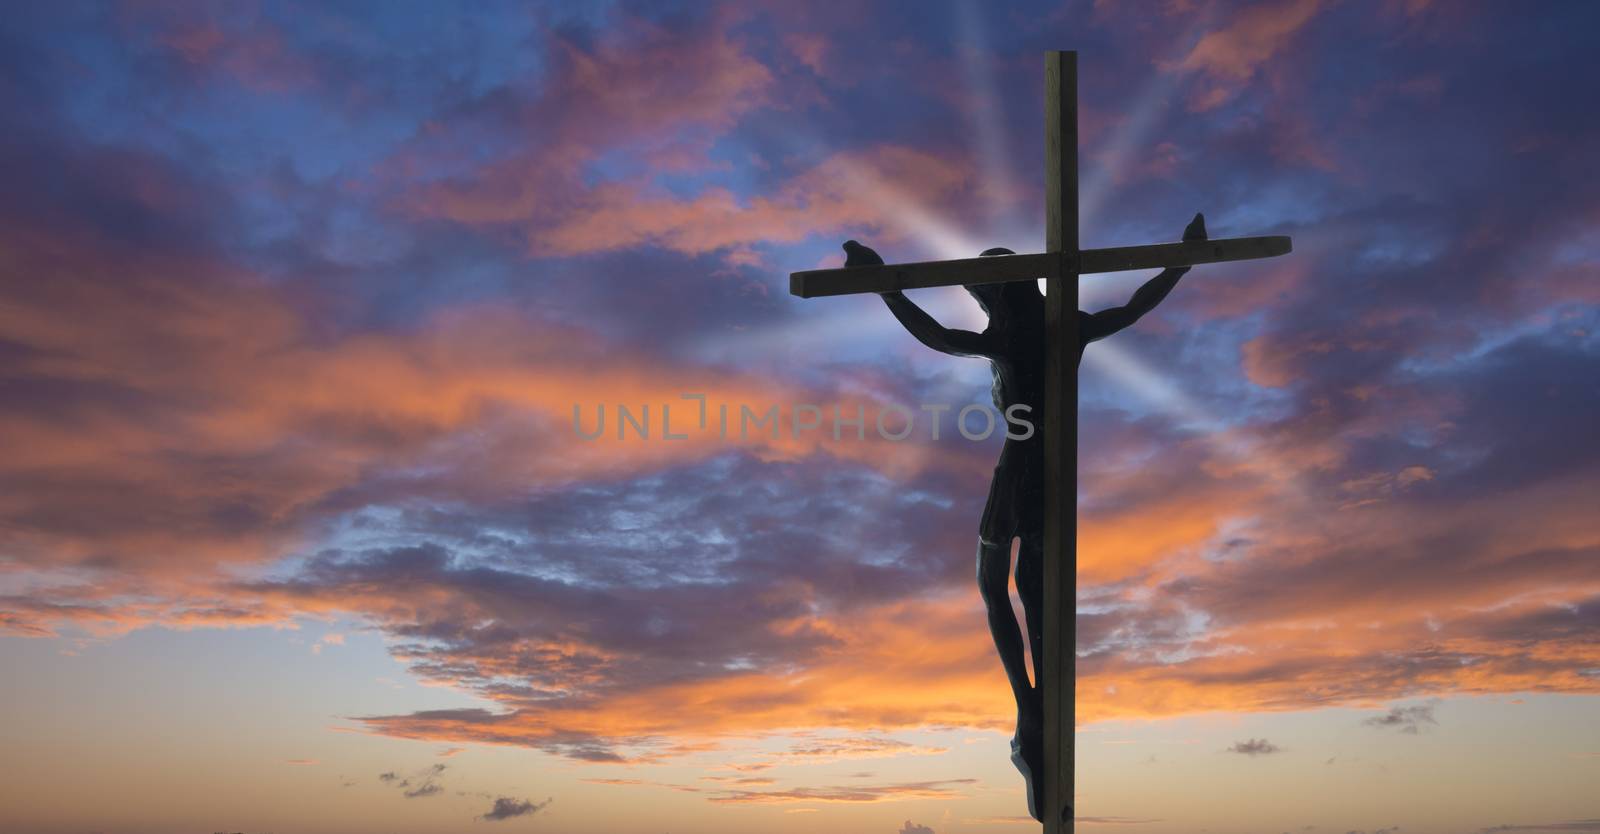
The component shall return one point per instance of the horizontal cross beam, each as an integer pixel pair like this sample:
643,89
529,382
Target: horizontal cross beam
998,269
995,269
1187,253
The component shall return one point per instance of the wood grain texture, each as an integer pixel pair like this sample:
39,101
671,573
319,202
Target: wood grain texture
1058,678
1188,253
816,283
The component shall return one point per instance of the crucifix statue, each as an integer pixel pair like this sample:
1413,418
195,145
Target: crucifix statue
1014,342
1034,344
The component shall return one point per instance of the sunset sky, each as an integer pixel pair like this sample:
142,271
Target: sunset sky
297,303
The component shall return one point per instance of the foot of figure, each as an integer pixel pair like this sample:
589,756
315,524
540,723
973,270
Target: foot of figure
1027,753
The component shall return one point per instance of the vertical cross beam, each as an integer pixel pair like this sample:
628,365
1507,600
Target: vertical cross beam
1058,678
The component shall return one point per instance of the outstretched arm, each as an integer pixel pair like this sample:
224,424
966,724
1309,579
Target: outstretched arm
1145,299
930,332
923,326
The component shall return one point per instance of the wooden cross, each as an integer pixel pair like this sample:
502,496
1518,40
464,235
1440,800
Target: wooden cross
1060,265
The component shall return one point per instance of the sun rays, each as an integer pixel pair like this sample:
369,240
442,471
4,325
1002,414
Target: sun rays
1108,163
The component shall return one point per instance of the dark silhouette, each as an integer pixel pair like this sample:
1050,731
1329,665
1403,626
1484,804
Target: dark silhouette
1014,344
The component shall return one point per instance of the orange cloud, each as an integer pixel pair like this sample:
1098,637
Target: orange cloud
844,192
249,49
1236,50
637,89
1231,55
854,794
642,93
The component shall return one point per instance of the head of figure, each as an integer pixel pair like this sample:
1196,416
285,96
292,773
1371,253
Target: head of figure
1002,298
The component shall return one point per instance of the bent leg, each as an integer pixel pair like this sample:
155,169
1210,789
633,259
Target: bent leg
1030,588
994,570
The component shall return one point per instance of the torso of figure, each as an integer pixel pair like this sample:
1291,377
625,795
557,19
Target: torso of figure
1017,359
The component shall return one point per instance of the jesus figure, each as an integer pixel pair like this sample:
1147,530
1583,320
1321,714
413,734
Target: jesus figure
1014,344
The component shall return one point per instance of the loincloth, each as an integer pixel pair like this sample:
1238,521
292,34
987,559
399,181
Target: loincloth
1016,494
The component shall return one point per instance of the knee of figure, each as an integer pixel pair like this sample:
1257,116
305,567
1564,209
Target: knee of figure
993,561
988,586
